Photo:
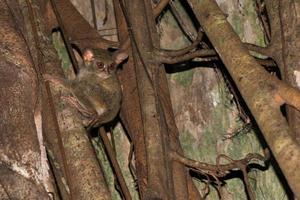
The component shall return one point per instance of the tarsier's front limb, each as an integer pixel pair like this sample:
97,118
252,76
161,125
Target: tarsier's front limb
74,102
88,113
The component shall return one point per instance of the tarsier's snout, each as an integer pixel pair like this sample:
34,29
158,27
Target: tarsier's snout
107,70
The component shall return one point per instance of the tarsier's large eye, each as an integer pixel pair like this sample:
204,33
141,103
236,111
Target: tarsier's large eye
100,65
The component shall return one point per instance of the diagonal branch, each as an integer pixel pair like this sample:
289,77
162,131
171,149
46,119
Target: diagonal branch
208,53
261,50
219,170
185,50
112,157
160,7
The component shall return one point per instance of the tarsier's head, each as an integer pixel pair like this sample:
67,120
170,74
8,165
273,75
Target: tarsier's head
102,62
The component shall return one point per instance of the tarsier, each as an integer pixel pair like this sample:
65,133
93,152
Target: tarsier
96,91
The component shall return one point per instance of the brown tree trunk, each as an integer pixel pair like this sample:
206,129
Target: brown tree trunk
23,171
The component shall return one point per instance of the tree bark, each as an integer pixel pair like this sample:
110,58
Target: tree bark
131,115
23,169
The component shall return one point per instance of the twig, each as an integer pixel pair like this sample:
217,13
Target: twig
266,63
94,14
183,51
261,50
160,7
247,184
221,169
180,22
115,164
260,8
188,56
287,94
242,166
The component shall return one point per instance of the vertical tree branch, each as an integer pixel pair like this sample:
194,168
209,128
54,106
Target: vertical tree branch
153,122
290,41
130,110
22,169
87,178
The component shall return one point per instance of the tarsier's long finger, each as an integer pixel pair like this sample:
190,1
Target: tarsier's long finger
86,112
53,79
76,104
57,81
92,123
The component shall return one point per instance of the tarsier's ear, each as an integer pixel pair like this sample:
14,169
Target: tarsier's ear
88,55
119,57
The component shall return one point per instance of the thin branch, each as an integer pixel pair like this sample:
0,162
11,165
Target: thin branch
183,25
272,7
94,14
242,166
288,95
260,9
160,7
221,169
5,190
266,63
115,164
248,185
185,50
199,53
261,50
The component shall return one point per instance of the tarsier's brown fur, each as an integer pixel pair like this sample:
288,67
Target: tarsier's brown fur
96,91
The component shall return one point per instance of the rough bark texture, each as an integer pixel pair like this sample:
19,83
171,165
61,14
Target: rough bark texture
70,150
21,174
130,112
153,125
290,27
